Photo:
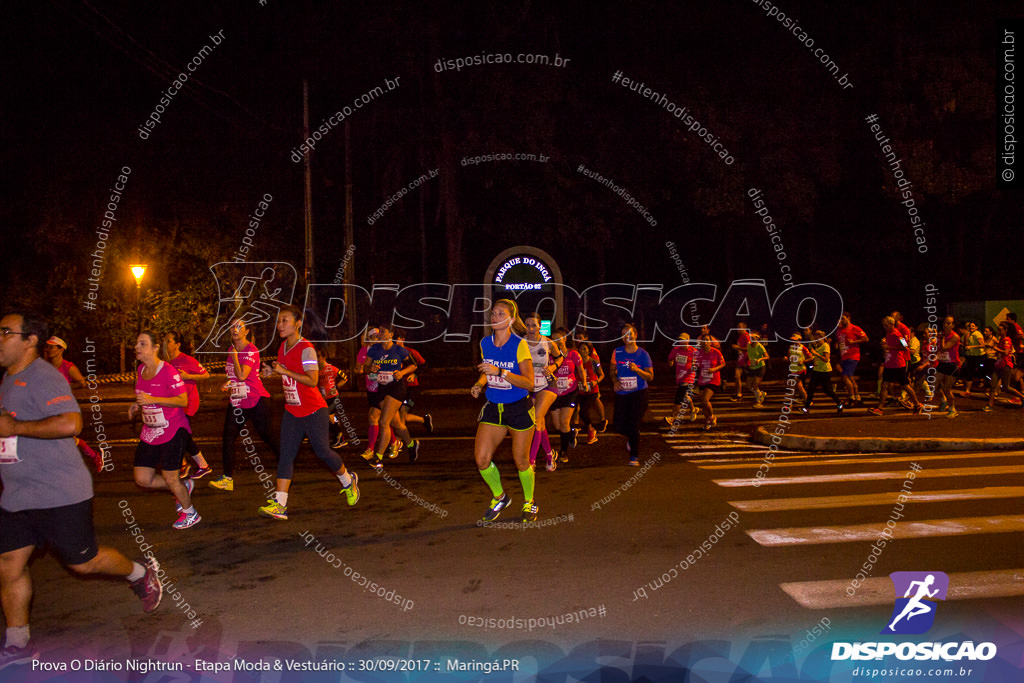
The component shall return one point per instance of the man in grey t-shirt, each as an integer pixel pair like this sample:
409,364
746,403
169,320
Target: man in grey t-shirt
47,496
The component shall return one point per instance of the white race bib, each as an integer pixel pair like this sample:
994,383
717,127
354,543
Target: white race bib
9,450
153,416
291,391
498,382
385,377
239,392
563,383
628,383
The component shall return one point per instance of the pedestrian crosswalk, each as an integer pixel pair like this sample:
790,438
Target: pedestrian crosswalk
975,484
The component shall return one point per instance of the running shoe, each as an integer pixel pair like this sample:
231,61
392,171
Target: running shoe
805,410
552,463
986,409
875,411
952,413
393,449
839,408
148,588
339,442
604,426
377,464
737,397
573,441
670,421
764,395
187,519
758,405
200,473
18,655
529,511
368,454
592,436
634,462
186,467
188,487
274,509
413,450
497,505
224,483
906,403
352,490
714,420
428,423
563,458
694,413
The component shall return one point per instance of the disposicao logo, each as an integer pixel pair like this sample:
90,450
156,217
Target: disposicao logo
914,613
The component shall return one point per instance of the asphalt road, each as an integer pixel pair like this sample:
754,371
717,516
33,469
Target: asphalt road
630,569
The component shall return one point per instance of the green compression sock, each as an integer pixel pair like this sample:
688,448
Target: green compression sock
493,479
526,477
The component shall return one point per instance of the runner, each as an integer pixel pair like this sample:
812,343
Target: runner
1008,341
602,422
683,361
47,491
949,364
391,364
821,373
54,354
894,368
569,379
161,398
797,359
757,361
742,363
507,372
327,384
545,358
710,362
974,357
412,384
305,414
631,369
373,398
191,371
249,401
849,337
590,394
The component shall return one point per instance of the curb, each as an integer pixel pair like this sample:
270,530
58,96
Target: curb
857,444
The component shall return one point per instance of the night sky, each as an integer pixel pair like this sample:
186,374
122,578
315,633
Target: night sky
82,77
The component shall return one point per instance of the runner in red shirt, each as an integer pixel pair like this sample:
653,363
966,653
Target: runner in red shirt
1005,349
849,337
683,361
742,362
191,371
328,386
305,414
54,354
894,368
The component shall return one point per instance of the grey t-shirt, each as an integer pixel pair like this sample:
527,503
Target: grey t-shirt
51,472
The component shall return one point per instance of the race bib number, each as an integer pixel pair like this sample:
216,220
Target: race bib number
563,383
385,377
153,416
498,382
239,392
291,391
628,383
9,450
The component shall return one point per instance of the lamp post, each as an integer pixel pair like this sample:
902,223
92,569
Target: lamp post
138,271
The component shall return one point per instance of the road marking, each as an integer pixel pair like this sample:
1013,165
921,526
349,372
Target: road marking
824,502
879,591
869,476
868,532
905,457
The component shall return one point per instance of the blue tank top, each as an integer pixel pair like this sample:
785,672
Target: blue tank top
508,356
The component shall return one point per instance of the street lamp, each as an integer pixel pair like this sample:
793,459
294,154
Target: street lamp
138,271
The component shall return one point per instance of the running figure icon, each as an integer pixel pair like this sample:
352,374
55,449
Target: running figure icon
922,590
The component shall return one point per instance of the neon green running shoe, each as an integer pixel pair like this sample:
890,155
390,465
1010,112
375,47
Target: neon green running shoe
352,490
274,509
